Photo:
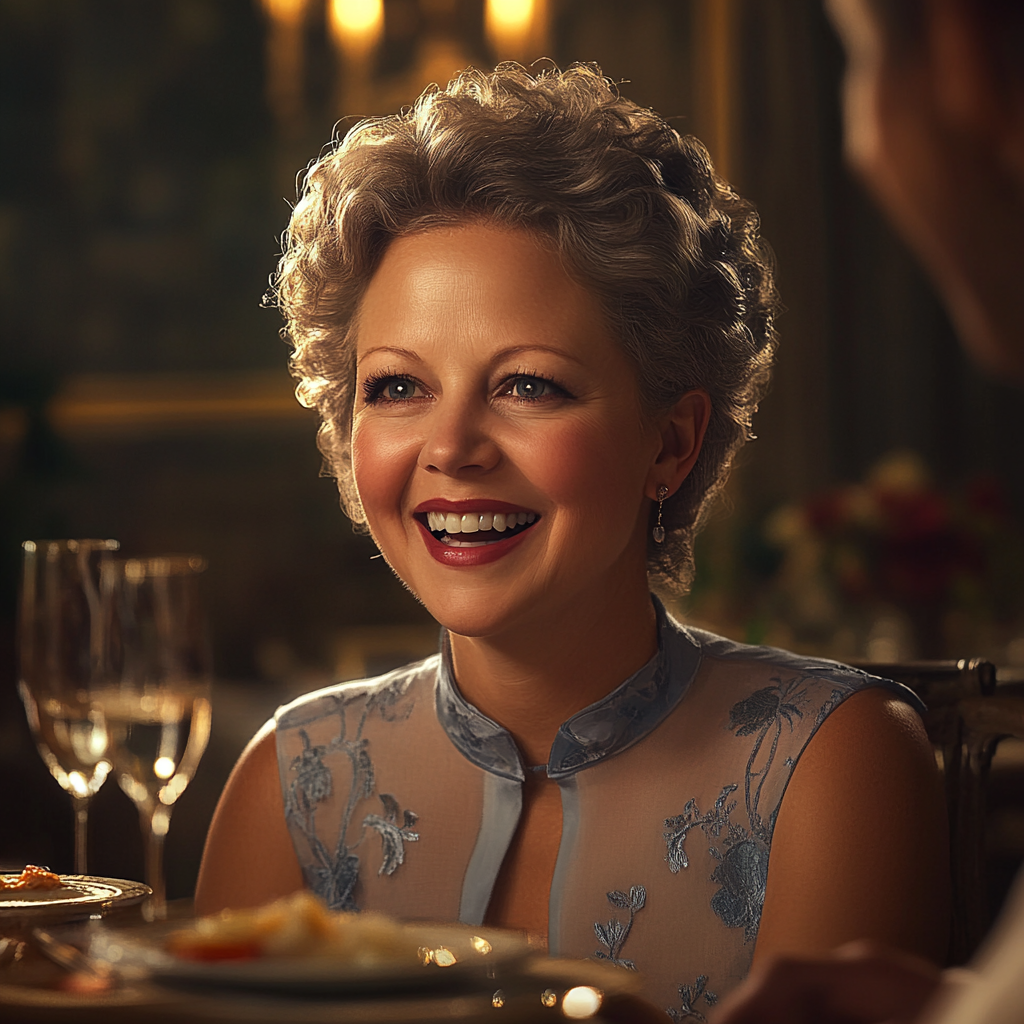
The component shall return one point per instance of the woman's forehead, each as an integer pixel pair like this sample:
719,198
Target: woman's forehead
474,278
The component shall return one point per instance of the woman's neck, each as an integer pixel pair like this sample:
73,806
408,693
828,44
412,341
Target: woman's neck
535,676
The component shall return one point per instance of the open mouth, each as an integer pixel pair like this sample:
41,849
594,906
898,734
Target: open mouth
475,529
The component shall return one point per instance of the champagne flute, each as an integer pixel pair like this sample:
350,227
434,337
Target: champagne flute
156,701
60,646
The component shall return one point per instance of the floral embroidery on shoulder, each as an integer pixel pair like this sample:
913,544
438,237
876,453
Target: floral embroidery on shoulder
712,823
835,698
742,870
742,853
614,933
689,996
762,713
334,874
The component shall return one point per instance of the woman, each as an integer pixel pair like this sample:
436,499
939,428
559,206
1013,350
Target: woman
536,325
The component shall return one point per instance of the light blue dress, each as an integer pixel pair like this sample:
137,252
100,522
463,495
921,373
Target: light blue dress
402,797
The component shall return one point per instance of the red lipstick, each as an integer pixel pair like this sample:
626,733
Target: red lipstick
464,557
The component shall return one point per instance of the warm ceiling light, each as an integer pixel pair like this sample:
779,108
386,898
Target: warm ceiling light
288,11
510,15
356,20
508,24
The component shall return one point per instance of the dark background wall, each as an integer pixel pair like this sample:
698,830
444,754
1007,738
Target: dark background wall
143,394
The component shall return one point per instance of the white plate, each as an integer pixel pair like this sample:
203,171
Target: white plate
480,954
83,893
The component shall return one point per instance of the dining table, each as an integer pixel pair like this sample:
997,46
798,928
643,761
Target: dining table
92,962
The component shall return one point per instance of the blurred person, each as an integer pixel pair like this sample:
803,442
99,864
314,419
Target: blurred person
536,325
934,108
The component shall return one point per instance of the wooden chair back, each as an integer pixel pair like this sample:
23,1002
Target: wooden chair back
966,719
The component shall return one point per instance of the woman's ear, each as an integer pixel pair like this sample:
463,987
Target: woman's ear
682,431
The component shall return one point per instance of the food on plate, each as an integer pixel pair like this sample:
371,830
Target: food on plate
31,877
295,926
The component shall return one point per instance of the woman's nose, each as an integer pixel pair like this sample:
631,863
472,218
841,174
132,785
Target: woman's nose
459,441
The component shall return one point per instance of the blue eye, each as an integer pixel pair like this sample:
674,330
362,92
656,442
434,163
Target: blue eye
532,388
389,388
396,390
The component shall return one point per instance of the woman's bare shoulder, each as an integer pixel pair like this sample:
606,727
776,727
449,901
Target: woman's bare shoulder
862,830
249,858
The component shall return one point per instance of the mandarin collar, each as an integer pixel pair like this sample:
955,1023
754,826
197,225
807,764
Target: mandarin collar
602,729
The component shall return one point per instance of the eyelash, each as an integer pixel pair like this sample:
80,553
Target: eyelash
509,382
374,385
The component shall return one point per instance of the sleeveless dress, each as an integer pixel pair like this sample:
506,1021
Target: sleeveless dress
402,797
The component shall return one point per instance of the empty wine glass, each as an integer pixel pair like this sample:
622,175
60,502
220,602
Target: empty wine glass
60,647
156,701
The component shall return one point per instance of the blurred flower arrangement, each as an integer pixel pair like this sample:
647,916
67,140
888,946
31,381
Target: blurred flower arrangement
890,568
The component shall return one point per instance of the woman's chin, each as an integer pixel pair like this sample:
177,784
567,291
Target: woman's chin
481,613
476,624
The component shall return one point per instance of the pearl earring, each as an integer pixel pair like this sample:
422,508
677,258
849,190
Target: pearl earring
659,531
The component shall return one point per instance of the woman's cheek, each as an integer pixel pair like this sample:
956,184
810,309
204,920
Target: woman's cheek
382,461
584,466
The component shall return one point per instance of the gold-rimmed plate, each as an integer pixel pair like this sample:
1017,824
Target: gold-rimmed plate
455,956
84,894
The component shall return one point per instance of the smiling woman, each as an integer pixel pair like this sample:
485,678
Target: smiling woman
536,326
496,405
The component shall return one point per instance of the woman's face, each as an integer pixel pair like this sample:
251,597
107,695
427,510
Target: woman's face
498,445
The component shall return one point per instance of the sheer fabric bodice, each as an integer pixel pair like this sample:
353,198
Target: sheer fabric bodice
402,797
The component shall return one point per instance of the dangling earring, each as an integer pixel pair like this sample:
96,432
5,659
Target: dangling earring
659,531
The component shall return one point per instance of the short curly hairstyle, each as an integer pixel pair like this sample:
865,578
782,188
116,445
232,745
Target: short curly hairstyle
635,210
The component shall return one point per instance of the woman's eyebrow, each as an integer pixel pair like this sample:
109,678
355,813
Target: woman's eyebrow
505,353
393,349
515,350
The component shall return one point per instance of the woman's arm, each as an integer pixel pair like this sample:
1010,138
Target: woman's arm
249,859
860,849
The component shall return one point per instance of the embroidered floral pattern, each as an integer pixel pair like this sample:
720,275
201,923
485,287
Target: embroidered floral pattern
313,780
392,835
742,853
762,713
742,871
334,874
614,934
689,996
743,875
712,823
835,698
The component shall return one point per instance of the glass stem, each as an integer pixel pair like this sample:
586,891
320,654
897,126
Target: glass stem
154,829
81,834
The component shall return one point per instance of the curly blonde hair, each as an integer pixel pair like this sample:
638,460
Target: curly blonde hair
634,208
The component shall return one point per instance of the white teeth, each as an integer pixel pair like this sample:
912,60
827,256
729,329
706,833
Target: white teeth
474,522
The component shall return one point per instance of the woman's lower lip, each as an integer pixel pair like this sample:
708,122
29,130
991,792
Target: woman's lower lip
459,556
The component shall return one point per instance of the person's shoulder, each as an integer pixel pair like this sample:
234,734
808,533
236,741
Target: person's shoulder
381,693
777,667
